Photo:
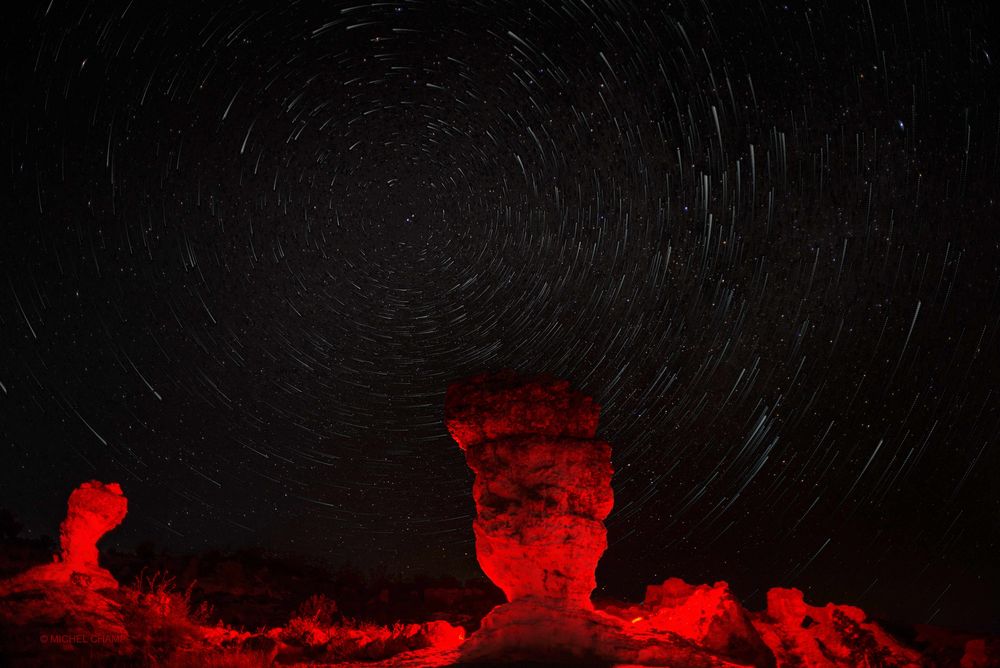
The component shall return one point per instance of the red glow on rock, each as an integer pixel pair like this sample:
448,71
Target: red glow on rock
495,406
94,509
542,487
833,635
73,612
542,490
707,615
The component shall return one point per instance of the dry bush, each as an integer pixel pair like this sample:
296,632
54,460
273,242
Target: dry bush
161,621
319,608
350,640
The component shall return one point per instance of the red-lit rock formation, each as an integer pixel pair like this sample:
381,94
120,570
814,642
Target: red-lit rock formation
981,653
528,630
543,484
59,603
806,636
94,509
542,491
707,615
491,407
72,612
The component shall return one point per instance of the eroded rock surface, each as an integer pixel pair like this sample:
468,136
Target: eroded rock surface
94,508
707,615
542,487
542,491
830,636
494,406
60,603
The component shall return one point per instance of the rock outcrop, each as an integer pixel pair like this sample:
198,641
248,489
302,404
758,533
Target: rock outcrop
94,508
542,487
707,615
823,637
60,605
542,491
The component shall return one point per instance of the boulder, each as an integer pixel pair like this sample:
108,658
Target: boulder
707,615
808,636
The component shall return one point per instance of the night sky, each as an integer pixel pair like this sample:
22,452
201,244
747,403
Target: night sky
243,252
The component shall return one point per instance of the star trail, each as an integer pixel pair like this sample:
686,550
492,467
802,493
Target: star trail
244,250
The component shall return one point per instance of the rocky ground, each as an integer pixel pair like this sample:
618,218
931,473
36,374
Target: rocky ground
542,491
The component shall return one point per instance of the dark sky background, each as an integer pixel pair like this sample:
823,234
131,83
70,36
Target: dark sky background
244,250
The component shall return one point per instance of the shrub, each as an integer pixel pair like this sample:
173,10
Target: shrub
160,619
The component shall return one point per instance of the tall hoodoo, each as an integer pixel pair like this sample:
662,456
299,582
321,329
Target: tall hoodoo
94,509
542,487
542,491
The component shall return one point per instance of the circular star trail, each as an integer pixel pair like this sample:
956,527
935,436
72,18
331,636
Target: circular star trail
245,250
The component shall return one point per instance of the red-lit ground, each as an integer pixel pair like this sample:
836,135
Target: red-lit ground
542,491
54,615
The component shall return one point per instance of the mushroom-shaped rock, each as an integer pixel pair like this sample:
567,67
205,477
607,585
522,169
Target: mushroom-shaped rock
542,487
67,597
542,491
94,509
495,406
541,502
